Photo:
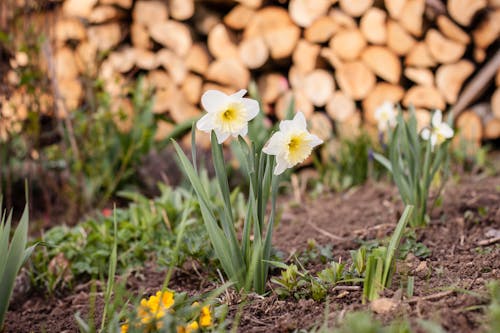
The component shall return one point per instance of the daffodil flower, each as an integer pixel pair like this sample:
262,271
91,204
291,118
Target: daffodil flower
439,131
385,115
292,144
227,114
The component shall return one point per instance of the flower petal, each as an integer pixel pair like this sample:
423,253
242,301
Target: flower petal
299,120
205,123
251,106
221,135
446,131
433,140
238,95
425,134
315,141
281,166
213,100
437,118
275,145
242,132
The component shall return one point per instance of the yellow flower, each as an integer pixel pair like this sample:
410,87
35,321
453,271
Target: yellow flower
124,328
155,307
192,327
205,317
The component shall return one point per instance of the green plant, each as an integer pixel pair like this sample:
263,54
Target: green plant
493,311
381,261
147,231
14,254
413,163
245,262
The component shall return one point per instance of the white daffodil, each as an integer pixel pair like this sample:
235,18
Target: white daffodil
439,131
385,115
292,144
227,114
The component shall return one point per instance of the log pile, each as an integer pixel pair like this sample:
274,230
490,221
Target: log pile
339,60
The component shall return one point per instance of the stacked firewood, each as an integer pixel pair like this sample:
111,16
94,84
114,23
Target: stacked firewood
338,60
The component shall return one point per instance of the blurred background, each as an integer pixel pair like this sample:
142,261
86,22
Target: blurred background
93,90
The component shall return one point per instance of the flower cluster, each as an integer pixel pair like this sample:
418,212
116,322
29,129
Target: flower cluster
151,312
229,116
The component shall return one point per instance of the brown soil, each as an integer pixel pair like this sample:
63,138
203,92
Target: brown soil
457,267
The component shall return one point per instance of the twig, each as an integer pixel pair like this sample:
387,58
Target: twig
490,241
477,85
348,288
432,297
324,232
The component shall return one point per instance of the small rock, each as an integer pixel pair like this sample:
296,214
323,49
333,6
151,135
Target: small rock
383,305
422,267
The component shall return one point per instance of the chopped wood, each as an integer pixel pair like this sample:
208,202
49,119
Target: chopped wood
173,35
383,62
305,55
65,64
381,93
492,129
450,78
266,20
253,52
300,101
139,36
181,9
488,30
348,43
462,11
421,76
125,4
411,16
355,8
394,7
158,79
239,17
321,126
85,57
340,106
163,130
214,86
103,14
271,86
319,86
479,54
355,79
373,26
497,78
205,19
282,41
146,59
69,29
444,50
398,39
420,56
342,19
78,8
149,12
123,60
424,97
350,128
423,117
451,30
251,3
321,30
495,103
173,64
470,126
296,77
71,91
477,84
191,88
328,54
197,58
123,114
106,36
181,111
228,71
220,43
304,12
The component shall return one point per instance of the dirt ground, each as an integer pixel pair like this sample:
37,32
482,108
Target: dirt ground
445,282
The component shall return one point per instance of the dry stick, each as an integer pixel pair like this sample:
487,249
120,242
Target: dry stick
324,232
490,241
477,85
431,297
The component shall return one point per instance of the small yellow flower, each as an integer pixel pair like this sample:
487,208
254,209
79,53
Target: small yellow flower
205,317
124,328
155,307
190,328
